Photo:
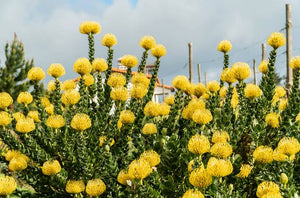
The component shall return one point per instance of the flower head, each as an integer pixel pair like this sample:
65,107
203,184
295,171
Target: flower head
272,119
5,118
81,122
284,178
68,85
116,80
158,51
276,40
288,146
7,185
5,100
17,163
25,98
169,99
127,117
51,86
129,61
139,169
200,177
89,27
151,157
280,157
199,89
25,125
241,70
70,97
263,154
119,94
280,91
263,66
50,109
220,137
147,42
283,103
95,187
124,177
180,82
267,187
99,65
140,78
213,86
295,62
51,167
56,70
34,115
82,66
228,75
198,144
221,150
36,74
219,167
55,121
202,116
88,79
45,101
149,129
223,91
224,46
193,193
244,171
17,116
109,40
252,91
75,186
138,91
152,109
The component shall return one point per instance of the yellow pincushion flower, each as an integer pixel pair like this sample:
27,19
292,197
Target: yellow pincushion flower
263,154
149,129
223,91
10,154
151,157
88,79
139,169
158,51
34,115
164,109
267,187
147,42
82,66
220,137
5,100
272,195
51,86
109,40
202,116
138,91
24,98
55,121
280,91
99,65
152,109
68,85
189,89
70,97
224,46
193,193
17,116
180,82
228,75
129,61
56,70
194,104
199,89
252,91
272,119
263,66
200,177
288,146
295,62
244,171
45,101
51,167
25,125
75,186
276,40
119,93
241,70
95,187
198,144
116,80
283,103
36,74
140,78
5,118
127,117
219,167
123,177
81,122
235,99
89,27
50,109
213,86
169,99
280,157
17,164
221,150
7,185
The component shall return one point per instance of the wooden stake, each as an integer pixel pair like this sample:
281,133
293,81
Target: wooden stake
190,62
263,51
163,89
199,73
254,72
288,26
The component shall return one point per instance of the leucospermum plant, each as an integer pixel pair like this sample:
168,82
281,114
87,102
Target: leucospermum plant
98,136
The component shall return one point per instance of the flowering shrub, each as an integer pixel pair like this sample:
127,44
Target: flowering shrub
98,138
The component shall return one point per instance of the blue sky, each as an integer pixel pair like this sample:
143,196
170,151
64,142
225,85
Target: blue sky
49,30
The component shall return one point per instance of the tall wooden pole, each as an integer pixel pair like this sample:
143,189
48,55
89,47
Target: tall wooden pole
254,72
205,76
199,73
263,51
163,89
190,62
288,26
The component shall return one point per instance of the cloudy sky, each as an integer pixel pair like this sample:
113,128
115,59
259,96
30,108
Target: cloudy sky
49,30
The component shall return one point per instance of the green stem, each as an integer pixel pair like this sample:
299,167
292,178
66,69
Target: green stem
57,101
143,62
152,82
128,74
91,47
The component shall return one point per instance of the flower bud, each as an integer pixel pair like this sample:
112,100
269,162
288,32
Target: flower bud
284,179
